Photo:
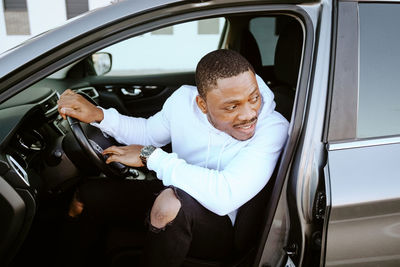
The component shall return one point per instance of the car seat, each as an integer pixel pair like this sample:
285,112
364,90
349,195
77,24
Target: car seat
286,68
283,79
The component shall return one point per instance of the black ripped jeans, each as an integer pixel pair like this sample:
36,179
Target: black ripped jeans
195,232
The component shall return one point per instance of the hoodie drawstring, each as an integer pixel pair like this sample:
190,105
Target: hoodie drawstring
208,149
220,153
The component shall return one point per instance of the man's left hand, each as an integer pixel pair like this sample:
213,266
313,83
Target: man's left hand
128,155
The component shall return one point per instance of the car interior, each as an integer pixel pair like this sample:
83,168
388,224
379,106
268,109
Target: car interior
43,157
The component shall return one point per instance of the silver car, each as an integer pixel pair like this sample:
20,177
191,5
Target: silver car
334,199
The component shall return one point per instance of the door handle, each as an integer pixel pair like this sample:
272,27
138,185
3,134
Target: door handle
131,92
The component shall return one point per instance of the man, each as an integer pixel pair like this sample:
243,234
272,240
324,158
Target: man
226,139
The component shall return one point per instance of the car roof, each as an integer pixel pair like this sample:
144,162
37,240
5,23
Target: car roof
33,48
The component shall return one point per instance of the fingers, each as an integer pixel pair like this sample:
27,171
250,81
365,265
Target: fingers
113,158
68,112
128,155
76,106
115,150
68,92
66,103
114,153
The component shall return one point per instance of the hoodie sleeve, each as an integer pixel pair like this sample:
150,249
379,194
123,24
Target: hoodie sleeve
129,130
225,191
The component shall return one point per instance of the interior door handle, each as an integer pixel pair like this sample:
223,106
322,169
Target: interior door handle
131,92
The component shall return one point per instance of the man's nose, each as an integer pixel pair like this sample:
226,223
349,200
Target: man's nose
247,112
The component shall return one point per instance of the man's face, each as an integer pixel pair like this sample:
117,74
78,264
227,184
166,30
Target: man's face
233,105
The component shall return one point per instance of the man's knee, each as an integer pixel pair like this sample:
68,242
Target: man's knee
165,208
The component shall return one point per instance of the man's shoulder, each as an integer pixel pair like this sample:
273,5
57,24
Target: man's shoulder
180,100
274,119
274,125
185,91
184,94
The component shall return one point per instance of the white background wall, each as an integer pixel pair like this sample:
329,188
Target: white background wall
43,15
149,53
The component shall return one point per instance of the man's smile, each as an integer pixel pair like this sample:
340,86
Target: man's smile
247,124
247,128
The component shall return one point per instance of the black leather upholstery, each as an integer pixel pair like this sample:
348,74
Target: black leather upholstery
250,50
288,52
286,68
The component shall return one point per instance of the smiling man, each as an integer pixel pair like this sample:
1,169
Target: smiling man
226,139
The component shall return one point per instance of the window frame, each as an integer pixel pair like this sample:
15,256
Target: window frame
344,85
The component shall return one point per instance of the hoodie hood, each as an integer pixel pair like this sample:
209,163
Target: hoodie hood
221,139
267,107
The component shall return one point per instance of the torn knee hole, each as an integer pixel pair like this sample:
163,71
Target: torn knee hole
165,209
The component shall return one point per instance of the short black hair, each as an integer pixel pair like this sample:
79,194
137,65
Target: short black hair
219,64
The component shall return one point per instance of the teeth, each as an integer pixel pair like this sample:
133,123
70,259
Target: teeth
245,127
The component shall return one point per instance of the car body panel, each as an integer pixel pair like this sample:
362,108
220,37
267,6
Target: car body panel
365,206
309,159
363,199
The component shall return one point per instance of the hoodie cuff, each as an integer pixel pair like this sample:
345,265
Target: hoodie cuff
110,118
157,160
154,159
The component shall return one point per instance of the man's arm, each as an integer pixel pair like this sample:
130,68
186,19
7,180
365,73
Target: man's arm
129,130
124,129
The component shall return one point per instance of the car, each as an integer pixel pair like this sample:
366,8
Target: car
334,198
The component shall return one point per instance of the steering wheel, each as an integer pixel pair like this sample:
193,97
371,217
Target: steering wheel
94,145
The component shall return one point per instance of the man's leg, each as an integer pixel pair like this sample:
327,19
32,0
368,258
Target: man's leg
181,227
100,203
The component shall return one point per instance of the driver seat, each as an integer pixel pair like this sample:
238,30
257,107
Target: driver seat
124,246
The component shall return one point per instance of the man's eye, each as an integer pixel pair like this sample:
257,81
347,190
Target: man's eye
229,108
254,99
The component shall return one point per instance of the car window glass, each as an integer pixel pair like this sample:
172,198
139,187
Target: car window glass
172,49
379,79
264,31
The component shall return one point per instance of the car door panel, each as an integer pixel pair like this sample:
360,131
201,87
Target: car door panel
365,206
139,96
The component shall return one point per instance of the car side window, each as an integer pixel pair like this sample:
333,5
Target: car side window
171,49
379,79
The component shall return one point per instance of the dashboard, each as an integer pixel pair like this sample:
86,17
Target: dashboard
40,160
32,145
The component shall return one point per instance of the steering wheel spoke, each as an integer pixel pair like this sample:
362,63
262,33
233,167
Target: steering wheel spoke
92,141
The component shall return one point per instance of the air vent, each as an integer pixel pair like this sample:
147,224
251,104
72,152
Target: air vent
49,105
18,169
90,91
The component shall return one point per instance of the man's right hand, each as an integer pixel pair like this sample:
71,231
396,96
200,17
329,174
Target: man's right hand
76,106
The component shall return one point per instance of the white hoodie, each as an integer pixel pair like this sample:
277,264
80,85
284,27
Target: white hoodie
220,172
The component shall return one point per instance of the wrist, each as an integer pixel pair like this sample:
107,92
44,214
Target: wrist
145,153
99,115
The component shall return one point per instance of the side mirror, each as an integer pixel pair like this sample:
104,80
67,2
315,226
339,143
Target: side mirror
102,62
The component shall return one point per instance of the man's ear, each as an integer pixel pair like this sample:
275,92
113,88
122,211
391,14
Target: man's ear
201,103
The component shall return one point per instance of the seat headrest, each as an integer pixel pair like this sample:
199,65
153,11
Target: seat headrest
288,53
250,50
